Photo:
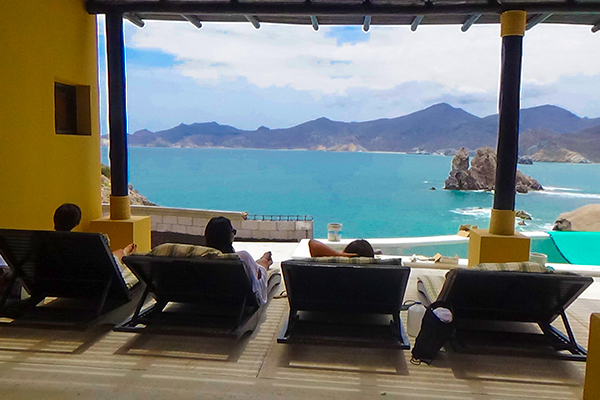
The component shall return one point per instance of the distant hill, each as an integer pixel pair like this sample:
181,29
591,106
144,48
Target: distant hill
439,128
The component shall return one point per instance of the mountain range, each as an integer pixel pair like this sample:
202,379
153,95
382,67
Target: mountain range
548,133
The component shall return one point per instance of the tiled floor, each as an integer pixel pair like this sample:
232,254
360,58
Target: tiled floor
101,364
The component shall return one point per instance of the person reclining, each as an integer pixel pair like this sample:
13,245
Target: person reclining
68,216
219,234
356,248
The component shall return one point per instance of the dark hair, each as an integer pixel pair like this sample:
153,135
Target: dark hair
360,247
67,217
218,234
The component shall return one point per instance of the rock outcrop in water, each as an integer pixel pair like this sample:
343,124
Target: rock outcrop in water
482,173
586,218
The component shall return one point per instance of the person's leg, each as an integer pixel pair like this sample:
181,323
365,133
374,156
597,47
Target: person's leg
127,250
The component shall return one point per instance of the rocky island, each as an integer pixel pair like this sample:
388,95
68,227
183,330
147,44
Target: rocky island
481,175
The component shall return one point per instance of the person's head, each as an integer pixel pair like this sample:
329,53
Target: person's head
219,234
360,247
67,217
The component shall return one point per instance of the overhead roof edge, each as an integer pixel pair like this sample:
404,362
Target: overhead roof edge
568,12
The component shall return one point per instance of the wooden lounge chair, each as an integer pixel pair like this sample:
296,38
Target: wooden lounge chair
195,295
77,269
349,303
492,308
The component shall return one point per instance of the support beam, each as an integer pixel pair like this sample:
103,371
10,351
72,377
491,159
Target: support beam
538,19
192,20
469,22
367,23
596,28
500,243
115,46
253,21
415,22
134,19
513,25
314,22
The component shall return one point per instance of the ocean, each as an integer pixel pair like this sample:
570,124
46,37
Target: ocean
371,194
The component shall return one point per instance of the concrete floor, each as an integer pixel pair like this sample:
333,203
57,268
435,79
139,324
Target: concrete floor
101,364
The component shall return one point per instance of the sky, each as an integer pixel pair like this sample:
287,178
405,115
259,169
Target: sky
283,75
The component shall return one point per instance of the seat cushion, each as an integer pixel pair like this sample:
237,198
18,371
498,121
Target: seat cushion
351,260
513,266
189,251
430,286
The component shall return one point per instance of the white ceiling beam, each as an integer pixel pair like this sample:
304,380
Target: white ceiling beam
367,23
192,20
314,22
134,19
469,22
252,20
538,19
415,23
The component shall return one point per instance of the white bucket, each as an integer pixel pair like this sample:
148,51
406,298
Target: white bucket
539,258
334,232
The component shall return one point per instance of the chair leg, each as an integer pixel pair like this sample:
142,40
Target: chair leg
103,298
7,290
398,331
138,308
561,342
241,313
567,326
292,318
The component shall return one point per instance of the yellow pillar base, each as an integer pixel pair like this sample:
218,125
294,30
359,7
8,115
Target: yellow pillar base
485,247
591,387
120,208
122,232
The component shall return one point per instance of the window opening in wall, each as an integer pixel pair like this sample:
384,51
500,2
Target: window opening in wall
72,109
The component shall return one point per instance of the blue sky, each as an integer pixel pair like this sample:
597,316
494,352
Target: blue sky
280,75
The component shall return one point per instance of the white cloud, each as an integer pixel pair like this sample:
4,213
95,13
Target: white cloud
299,58
284,75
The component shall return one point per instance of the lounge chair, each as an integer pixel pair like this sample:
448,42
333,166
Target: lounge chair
494,310
195,295
77,269
349,303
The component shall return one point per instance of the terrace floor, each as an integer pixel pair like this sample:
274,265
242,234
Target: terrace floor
101,364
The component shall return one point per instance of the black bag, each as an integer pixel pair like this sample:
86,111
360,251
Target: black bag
433,335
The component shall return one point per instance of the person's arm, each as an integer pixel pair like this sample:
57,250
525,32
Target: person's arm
257,273
318,249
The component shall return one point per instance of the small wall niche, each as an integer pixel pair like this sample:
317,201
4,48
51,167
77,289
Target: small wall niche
72,113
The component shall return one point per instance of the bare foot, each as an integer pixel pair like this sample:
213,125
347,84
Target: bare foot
130,249
266,260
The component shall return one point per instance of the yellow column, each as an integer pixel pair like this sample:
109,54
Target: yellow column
500,243
591,387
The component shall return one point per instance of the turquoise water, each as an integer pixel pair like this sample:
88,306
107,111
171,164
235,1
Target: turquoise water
371,194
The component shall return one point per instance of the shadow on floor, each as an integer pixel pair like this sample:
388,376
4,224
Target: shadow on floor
186,347
527,370
50,340
305,357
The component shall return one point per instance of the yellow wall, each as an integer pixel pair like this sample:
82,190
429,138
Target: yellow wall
44,41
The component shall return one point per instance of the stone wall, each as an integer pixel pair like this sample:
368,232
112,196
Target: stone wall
193,222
